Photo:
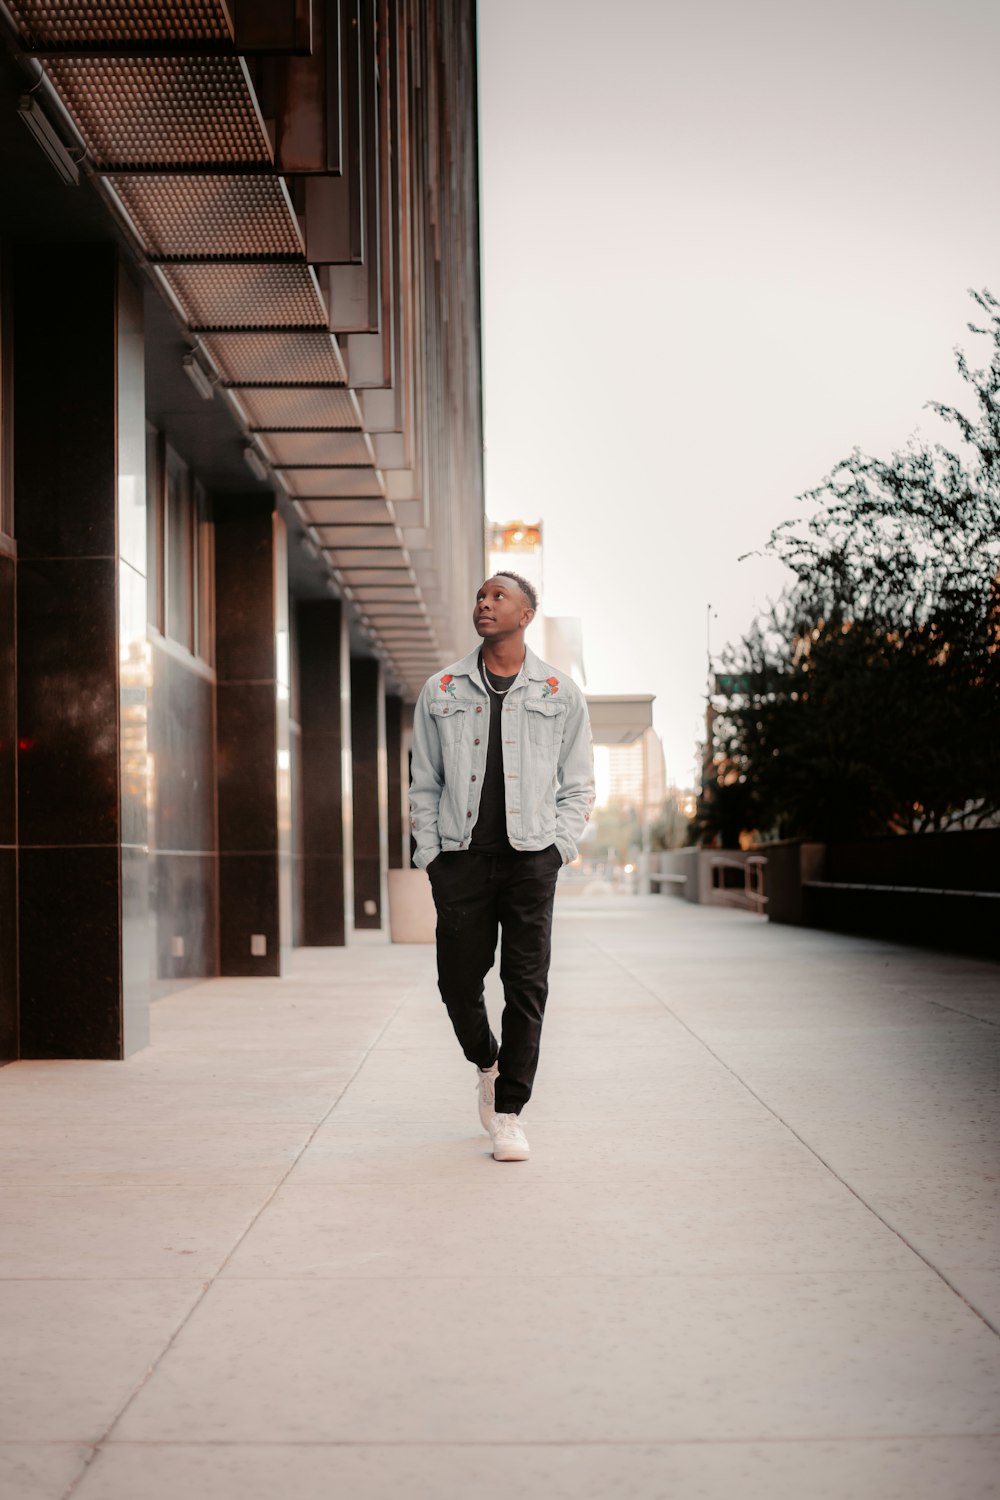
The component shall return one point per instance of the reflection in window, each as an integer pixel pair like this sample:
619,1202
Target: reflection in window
180,551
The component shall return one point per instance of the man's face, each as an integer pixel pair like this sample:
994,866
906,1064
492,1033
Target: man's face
501,609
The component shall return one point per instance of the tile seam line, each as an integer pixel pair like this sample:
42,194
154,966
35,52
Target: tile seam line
956,1010
661,1442
210,1282
994,1329
837,1273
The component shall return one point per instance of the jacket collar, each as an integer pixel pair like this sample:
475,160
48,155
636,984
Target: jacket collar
534,669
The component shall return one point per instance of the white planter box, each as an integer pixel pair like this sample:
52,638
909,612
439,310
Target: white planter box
412,917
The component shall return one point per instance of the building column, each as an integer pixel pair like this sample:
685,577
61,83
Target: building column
325,770
252,707
368,762
84,932
395,822
8,811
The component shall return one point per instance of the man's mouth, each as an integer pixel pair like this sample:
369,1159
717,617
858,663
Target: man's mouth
481,618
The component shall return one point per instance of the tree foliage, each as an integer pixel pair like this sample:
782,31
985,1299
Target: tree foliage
868,699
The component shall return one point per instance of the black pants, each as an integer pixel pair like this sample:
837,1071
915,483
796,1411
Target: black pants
474,895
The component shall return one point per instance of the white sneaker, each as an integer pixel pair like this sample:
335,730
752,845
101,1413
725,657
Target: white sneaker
509,1141
485,1085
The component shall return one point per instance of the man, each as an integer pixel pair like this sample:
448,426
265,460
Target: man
502,785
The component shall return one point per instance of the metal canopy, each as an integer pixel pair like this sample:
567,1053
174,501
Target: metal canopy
619,718
277,208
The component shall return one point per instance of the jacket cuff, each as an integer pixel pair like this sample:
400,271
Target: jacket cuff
423,857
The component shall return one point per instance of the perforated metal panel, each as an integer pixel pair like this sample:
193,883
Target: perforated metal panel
69,25
322,448
226,296
355,574
332,482
404,611
149,112
301,410
248,359
371,558
357,536
211,217
371,596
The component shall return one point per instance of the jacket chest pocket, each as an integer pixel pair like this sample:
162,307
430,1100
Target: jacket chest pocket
450,720
545,723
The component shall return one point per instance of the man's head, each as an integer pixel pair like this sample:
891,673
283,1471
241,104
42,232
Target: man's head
505,607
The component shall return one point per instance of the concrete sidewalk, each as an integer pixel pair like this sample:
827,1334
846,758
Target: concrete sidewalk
754,1256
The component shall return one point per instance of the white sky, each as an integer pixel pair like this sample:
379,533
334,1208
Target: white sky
722,244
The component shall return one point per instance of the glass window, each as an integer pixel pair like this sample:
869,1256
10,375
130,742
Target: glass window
154,528
204,555
180,551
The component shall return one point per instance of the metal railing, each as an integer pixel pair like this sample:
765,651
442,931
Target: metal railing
752,896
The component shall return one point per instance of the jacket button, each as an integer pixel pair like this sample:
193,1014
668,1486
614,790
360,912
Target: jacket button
473,776
469,813
475,742
479,708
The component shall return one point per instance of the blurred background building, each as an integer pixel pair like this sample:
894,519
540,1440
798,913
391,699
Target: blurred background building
518,546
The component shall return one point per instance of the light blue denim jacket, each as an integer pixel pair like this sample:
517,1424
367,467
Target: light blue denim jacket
548,759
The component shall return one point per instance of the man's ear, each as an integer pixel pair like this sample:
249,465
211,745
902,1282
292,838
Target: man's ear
527,615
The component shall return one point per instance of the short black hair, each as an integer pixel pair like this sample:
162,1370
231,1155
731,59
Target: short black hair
527,589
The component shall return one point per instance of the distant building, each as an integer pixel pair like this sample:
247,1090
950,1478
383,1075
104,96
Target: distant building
516,546
633,774
519,547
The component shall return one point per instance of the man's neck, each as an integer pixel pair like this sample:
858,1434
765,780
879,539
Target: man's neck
504,658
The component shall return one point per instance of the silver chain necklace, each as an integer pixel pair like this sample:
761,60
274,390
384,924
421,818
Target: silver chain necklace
500,692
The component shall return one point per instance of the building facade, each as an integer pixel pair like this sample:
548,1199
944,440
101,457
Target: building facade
241,503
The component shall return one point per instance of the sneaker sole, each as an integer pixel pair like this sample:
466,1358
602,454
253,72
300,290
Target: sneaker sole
512,1153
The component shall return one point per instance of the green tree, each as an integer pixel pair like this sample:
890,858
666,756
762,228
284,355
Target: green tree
617,827
868,699
672,828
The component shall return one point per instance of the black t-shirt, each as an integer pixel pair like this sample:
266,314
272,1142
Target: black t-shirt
489,836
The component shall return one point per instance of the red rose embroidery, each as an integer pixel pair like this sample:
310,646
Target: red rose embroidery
551,686
447,684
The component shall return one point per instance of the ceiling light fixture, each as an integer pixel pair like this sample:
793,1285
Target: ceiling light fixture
40,127
198,378
254,462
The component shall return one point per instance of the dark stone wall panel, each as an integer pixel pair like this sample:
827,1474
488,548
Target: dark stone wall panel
69,955
8,699
323,830
247,771
323,918
321,658
394,767
245,593
64,371
296,832
67,630
8,954
248,904
366,729
367,887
